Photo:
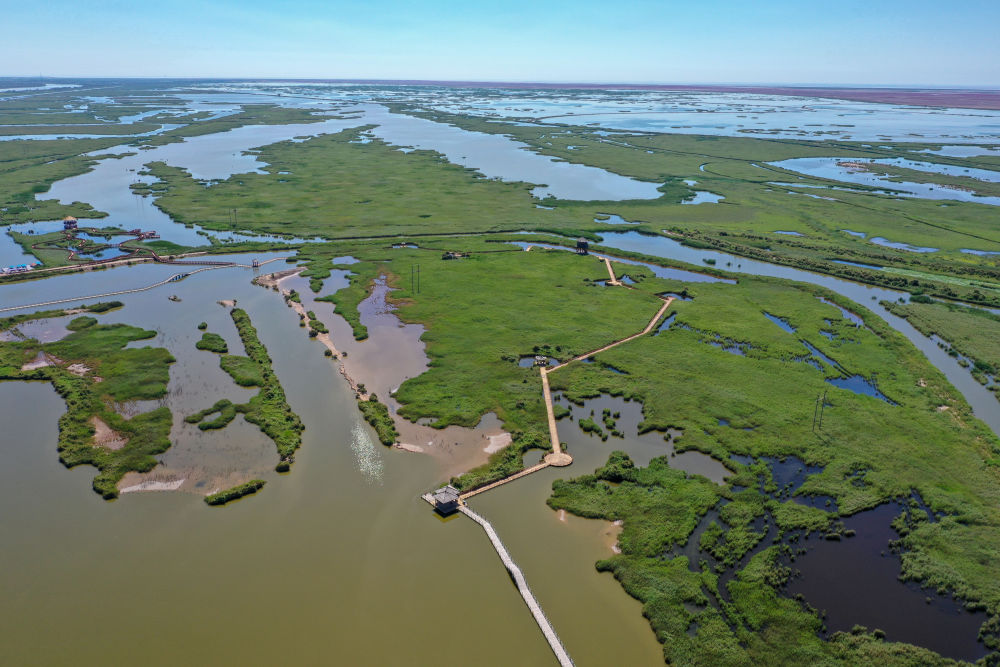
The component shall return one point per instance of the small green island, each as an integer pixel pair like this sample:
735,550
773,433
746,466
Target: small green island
268,409
92,369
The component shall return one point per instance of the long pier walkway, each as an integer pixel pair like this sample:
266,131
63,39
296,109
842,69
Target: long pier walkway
173,278
522,586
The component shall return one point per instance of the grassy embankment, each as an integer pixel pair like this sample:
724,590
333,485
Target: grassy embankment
971,332
226,410
212,342
105,373
377,414
268,409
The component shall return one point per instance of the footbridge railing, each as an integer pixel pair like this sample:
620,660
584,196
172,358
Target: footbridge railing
522,586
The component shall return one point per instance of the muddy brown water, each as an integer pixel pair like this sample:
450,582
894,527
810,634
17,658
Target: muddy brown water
393,353
338,559
329,560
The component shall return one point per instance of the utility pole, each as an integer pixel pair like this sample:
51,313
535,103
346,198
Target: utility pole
815,412
418,279
822,408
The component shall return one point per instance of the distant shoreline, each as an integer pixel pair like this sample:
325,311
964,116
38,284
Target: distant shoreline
928,96
965,98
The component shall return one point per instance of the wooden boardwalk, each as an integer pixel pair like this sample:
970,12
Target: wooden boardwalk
649,327
518,475
613,280
522,586
558,457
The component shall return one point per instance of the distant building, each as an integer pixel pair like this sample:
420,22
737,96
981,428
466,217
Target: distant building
582,246
20,268
445,499
69,222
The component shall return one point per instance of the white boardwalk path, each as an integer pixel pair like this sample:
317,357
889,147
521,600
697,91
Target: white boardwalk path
522,585
132,291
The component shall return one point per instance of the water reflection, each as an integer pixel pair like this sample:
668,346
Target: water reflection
856,581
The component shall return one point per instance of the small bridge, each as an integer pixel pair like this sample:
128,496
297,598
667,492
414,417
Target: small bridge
194,262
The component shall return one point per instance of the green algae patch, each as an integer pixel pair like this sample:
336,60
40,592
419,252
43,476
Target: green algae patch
244,371
78,323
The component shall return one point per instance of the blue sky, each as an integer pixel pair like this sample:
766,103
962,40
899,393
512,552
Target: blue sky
925,42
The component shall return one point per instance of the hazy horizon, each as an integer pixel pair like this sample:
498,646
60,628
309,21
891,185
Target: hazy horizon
505,82
717,42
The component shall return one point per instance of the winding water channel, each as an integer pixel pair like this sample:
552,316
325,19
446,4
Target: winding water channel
983,402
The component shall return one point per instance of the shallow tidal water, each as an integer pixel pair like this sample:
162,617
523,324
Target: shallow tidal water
338,557
855,581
